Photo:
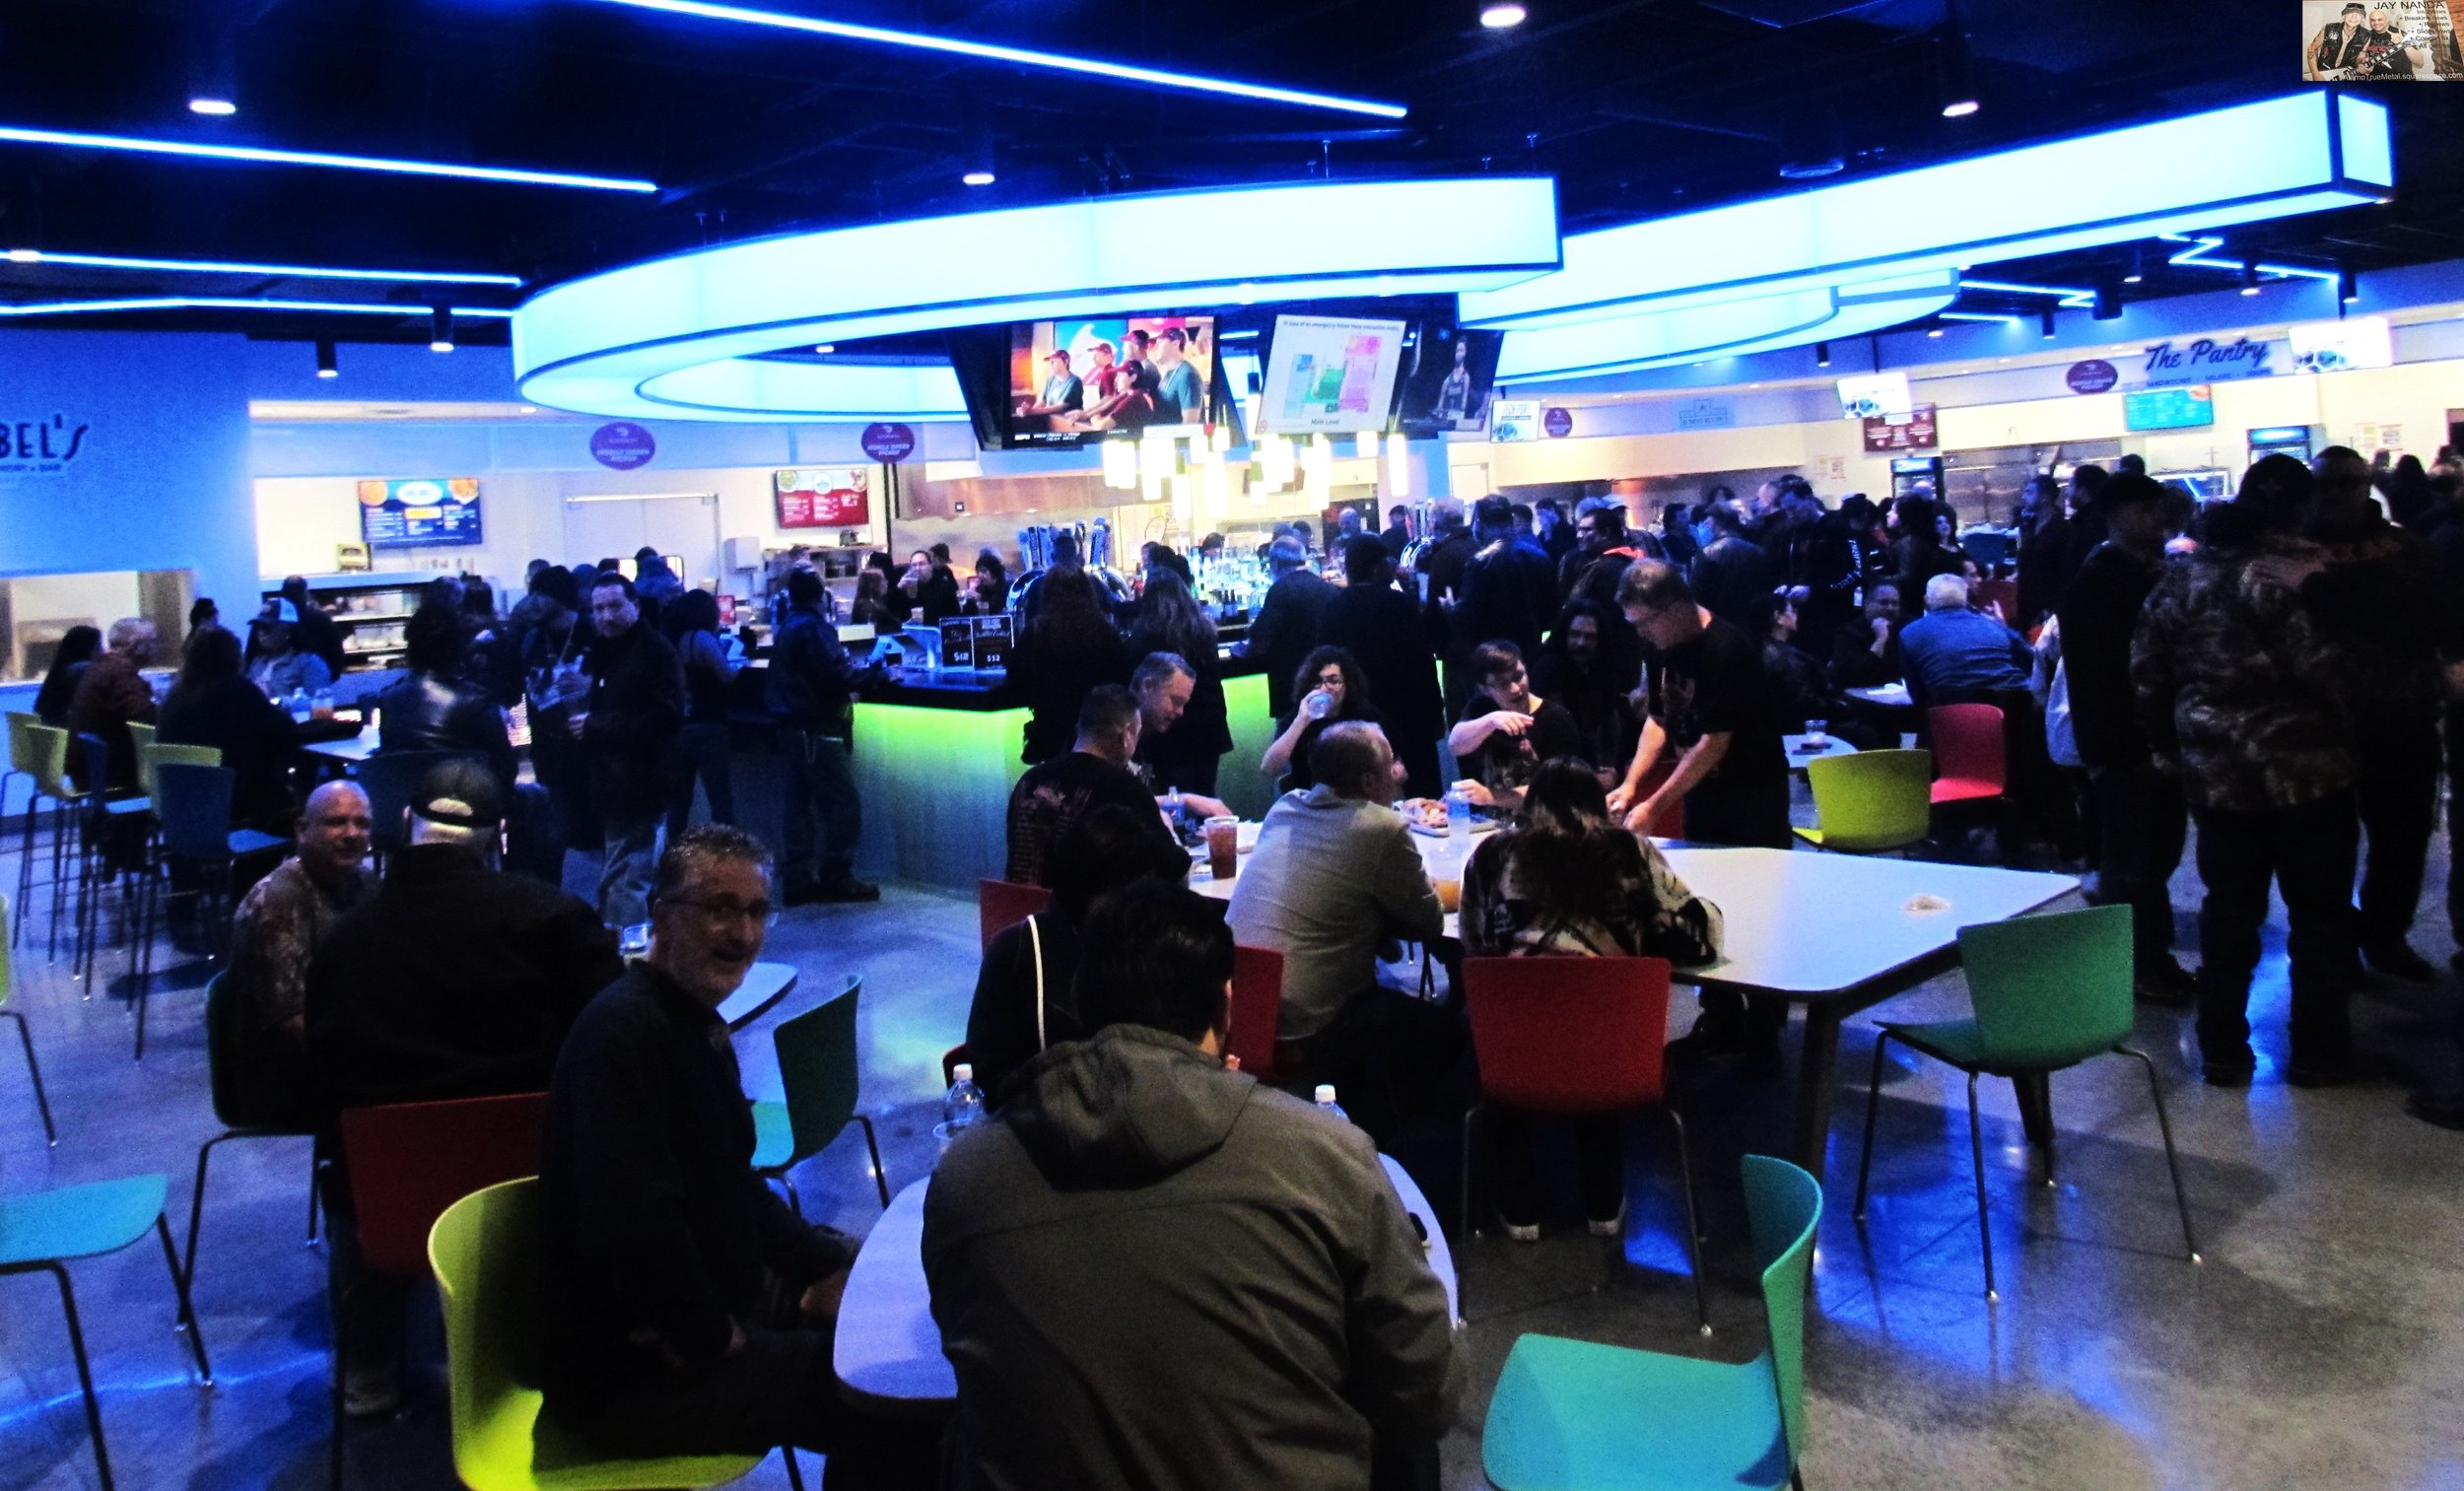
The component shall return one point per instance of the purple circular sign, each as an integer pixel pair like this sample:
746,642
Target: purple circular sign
1559,422
2095,375
622,447
889,442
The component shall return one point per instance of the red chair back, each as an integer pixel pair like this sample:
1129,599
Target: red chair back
1004,903
1672,824
1569,1035
1257,1010
1968,744
410,1161
2001,592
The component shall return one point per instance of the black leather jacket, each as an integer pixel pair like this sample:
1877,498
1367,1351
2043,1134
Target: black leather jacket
428,712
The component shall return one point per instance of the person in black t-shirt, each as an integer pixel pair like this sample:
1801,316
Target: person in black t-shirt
1506,730
1712,703
1053,796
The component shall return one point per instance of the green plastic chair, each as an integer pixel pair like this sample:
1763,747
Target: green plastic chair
222,1032
140,740
25,1037
1872,801
41,1230
1581,1416
485,1251
2049,992
19,749
46,762
817,1063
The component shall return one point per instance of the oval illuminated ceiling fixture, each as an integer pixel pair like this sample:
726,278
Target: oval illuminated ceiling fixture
667,339
1654,338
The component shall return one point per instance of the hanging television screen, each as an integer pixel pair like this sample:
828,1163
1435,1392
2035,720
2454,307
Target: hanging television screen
1447,378
420,514
1330,376
1062,383
1876,396
2187,407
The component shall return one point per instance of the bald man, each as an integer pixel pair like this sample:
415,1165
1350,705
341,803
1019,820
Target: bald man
280,923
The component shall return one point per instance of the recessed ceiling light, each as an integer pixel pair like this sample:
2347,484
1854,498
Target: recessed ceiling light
1499,15
979,178
1936,331
220,109
529,408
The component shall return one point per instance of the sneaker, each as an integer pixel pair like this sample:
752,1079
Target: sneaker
371,1392
1518,1232
1612,1226
2397,960
844,891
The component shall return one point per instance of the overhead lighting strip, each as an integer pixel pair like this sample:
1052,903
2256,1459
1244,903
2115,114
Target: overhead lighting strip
2068,298
267,155
232,303
1137,72
1974,316
2203,245
283,271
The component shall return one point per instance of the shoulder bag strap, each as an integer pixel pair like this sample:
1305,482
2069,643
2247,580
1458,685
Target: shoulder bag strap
1035,940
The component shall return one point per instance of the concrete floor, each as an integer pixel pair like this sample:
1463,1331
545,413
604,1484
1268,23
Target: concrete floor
2321,1344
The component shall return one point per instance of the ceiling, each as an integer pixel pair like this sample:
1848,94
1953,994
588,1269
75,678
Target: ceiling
1637,107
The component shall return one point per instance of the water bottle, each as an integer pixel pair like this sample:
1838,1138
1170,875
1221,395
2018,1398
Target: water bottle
964,1107
1458,813
1326,1103
1321,704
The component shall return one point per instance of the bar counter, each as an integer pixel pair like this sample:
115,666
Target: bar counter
935,756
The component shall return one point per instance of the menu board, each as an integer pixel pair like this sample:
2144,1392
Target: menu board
825,496
419,514
1912,432
2185,408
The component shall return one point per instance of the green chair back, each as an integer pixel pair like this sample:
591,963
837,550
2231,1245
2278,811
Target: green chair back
817,1065
47,759
1785,1205
1874,800
2049,990
140,739
21,758
151,757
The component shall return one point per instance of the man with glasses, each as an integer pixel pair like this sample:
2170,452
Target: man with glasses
685,1308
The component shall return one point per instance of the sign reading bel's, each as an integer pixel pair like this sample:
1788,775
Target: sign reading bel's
40,444
2207,361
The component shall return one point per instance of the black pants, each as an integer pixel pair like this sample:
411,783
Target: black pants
2455,821
2397,791
820,790
1599,1164
2144,820
1749,815
2308,852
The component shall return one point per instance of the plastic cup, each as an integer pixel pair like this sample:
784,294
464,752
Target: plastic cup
1449,896
1815,740
1223,846
635,940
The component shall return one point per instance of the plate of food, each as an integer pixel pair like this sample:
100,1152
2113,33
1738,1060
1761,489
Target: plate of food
1427,815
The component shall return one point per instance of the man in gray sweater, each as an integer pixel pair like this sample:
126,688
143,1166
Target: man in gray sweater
1151,1274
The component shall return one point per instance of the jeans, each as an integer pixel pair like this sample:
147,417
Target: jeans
631,847
2144,820
701,751
2396,764
2455,820
2308,852
821,790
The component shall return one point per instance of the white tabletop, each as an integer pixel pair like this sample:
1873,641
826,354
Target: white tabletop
1799,752
1811,924
1891,695
764,986
887,1347
351,750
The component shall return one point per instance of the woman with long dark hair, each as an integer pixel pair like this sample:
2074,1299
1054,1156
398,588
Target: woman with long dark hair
1333,674
702,746
212,703
1069,648
1565,880
1169,618
79,645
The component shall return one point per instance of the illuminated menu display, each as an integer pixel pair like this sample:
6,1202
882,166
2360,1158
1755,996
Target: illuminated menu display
420,514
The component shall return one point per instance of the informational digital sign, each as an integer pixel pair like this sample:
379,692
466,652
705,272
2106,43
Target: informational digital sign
2188,407
2363,341
1514,420
420,514
1330,376
1875,395
825,496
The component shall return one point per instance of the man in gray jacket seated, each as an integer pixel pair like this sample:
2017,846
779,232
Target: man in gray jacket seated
1151,1274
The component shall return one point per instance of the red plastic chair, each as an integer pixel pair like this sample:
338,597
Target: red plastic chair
1672,824
1003,904
1968,758
1575,1037
1257,1010
407,1163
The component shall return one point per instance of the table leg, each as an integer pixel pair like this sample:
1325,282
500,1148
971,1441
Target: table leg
1816,1067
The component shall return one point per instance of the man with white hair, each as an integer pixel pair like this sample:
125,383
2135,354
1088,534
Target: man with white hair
1955,653
280,925
113,693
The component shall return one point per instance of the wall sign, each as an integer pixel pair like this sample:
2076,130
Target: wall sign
1558,423
889,442
824,497
622,447
1915,433
2207,361
44,446
2094,376
1706,414
416,513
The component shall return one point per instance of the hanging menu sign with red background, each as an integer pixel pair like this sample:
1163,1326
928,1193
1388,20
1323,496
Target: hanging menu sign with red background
1915,433
825,496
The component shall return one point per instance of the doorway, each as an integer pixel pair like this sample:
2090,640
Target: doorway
683,525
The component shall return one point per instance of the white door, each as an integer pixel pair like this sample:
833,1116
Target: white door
684,527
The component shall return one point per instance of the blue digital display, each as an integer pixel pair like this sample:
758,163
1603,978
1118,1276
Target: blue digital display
2184,408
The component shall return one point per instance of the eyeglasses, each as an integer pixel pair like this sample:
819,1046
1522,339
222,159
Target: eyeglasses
1330,679
723,910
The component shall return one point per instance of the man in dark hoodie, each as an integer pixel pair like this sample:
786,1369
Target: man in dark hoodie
1196,1188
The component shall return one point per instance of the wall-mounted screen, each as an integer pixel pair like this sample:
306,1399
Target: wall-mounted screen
1876,395
824,497
1062,383
2187,407
1448,377
1514,420
1330,376
2361,341
419,514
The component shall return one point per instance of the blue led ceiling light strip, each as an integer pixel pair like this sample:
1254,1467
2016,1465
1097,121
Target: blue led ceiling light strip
1974,316
1096,67
2203,245
2066,297
233,302
282,271
267,155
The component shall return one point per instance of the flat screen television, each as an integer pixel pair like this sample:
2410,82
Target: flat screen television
420,514
1330,376
1447,378
1047,384
1876,396
2187,407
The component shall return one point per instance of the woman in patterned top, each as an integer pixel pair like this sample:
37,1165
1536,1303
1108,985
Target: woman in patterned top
1564,880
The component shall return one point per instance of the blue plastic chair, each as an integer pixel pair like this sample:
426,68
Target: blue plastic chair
41,1230
1580,1416
194,811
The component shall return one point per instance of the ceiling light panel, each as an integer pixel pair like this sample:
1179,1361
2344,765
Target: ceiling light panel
260,155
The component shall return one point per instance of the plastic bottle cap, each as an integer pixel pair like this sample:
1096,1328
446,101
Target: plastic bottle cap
1325,1092
964,1071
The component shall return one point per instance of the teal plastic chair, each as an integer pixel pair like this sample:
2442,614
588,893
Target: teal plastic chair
1869,802
222,1034
485,1252
1581,1416
817,1067
41,1230
25,1037
2049,992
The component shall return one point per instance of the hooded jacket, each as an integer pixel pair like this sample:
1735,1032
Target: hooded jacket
1153,1273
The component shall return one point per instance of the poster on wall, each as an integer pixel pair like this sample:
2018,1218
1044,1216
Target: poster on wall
419,514
825,496
1916,432
2382,40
